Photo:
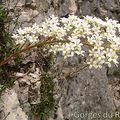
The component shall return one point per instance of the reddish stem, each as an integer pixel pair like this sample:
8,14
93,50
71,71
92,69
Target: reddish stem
28,48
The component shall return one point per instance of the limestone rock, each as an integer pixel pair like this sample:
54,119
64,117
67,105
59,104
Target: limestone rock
12,108
86,93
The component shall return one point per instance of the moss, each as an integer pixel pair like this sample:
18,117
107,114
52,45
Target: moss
3,15
48,62
46,105
116,73
6,48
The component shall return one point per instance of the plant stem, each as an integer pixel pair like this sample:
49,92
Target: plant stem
44,42
29,48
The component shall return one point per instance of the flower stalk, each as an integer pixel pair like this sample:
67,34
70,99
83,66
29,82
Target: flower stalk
45,42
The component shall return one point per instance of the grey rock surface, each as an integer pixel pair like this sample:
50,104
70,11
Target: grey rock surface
12,109
86,93
88,90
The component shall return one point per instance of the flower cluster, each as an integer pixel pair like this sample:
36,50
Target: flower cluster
99,39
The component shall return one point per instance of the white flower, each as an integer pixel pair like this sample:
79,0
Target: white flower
35,29
28,30
21,31
20,41
60,33
111,56
33,39
15,36
111,23
102,37
54,49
